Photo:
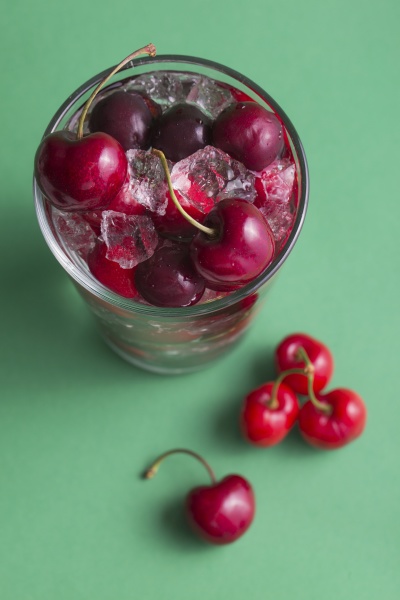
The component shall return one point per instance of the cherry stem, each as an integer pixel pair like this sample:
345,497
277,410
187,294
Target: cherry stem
151,471
203,228
309,372
273,403
150,49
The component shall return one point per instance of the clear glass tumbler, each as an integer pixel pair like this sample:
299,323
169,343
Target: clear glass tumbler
177,340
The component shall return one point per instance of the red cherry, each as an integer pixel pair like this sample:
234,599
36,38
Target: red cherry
219,513
123,202
110,273
241,248
80,174
168,278
222,512
343,423
172,223
266,423
250,133
286,357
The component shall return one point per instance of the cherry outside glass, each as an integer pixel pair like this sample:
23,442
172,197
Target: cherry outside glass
176,340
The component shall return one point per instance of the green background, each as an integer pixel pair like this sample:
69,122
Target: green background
78,425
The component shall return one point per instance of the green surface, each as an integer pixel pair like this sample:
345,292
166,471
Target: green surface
78,425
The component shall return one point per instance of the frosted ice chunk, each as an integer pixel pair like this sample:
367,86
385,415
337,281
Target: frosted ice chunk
276,202
147,184
278,179
130,239
164,87
209,175
280,217
75,231
209,96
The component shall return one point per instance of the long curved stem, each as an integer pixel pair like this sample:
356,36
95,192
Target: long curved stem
152,470
175,200
150,49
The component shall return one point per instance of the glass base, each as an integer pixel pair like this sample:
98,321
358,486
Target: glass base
172,369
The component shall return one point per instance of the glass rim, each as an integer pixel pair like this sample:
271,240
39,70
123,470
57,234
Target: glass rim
106,295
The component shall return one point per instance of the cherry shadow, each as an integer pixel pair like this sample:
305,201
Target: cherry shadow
226,418
173,522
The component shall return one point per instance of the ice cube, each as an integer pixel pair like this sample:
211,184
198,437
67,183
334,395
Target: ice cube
164,87
209,175
75,231
148,184
278,179
209,96
280,217
130,239
275,198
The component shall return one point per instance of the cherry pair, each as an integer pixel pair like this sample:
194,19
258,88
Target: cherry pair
329,421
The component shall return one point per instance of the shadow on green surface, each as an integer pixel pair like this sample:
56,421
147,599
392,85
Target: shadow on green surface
176,528
47,333
227,418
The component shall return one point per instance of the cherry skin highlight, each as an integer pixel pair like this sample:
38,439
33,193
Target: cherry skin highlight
249,133
242,247
286,357
182,130
168,278
110,273
222,512
263,424
80,174
126,116
345,423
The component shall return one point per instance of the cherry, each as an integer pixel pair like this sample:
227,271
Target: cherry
126,116
288,355
182,130
339,418
110,273
80,174
172,223
249,133
219,513
268,414
240,247
168,278
83,173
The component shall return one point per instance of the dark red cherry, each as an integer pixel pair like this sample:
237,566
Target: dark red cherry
241,248
249,133
80,174
168,278
221,513
126,117
110,274
182,130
